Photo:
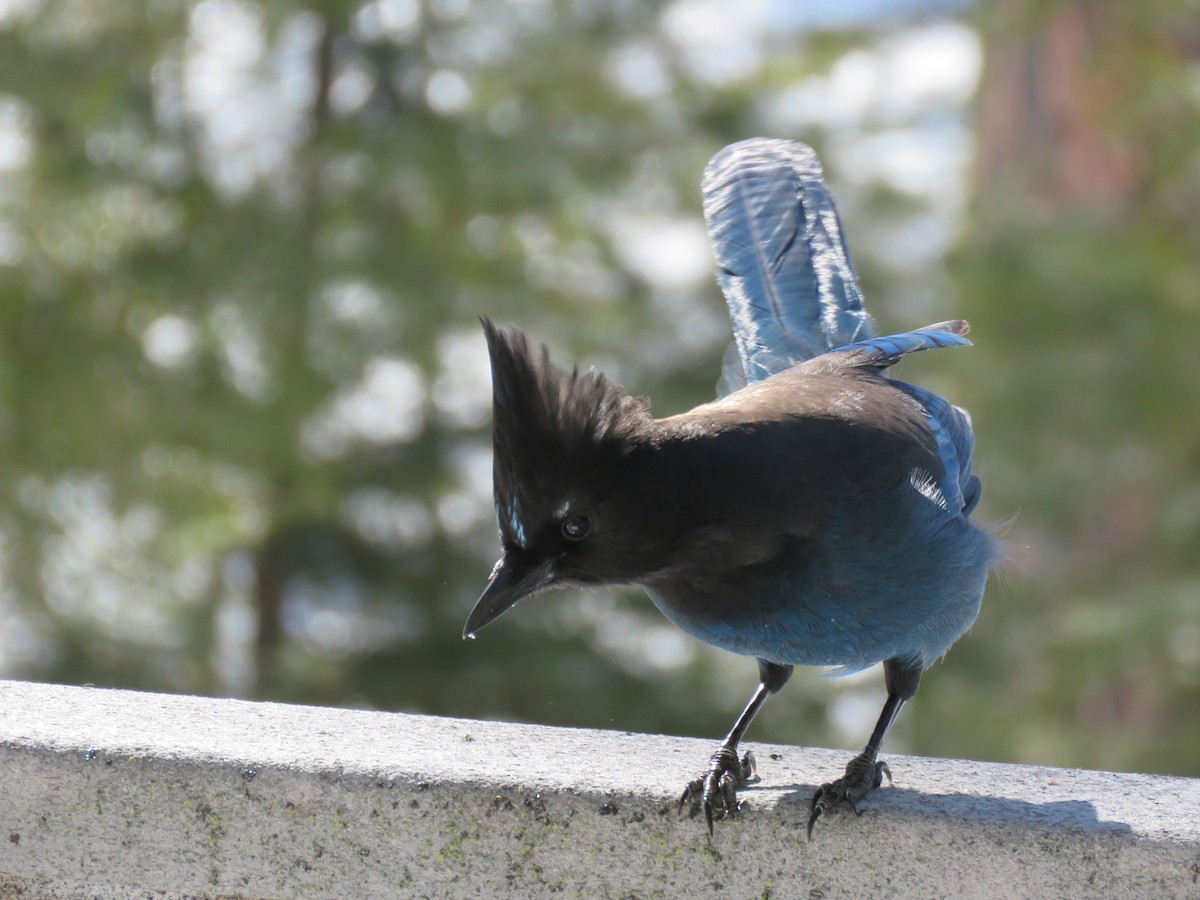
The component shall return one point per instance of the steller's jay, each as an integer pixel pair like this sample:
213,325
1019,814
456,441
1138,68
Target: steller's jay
816,514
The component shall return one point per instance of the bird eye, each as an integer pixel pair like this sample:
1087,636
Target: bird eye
576,528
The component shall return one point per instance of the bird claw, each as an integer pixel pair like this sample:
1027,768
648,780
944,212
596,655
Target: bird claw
863,775
715,792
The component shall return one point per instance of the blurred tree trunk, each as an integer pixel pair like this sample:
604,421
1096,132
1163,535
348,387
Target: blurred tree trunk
1056,82
276,556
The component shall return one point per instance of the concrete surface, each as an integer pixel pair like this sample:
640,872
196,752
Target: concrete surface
112,794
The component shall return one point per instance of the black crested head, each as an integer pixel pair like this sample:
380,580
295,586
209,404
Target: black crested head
582,494
555,433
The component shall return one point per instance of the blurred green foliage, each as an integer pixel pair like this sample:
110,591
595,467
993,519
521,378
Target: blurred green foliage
244,439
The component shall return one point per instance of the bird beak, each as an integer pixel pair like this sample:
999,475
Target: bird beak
511,579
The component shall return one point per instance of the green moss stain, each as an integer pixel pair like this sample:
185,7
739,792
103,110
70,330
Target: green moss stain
215,822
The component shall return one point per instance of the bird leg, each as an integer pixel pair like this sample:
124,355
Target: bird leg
716,790
865,772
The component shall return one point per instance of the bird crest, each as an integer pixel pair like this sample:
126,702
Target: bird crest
551,428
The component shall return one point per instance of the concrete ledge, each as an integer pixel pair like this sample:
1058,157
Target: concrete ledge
118,794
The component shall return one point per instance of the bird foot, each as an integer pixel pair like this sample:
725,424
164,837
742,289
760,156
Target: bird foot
863,775
716,791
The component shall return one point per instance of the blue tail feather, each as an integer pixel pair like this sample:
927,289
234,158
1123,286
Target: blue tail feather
782,263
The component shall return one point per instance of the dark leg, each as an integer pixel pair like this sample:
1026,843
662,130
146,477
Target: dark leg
864,773
725,771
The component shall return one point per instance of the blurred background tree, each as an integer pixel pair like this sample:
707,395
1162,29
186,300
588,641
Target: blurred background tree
244,400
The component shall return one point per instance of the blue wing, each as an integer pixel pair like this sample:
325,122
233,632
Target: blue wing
951,426
782,263
881,352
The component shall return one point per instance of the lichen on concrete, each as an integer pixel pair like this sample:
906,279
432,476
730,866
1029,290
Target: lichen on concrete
117,794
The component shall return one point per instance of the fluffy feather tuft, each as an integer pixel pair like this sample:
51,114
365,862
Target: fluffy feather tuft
550,428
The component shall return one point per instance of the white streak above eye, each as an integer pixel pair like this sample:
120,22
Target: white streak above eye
515,526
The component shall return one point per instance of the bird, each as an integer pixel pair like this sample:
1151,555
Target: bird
816,513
